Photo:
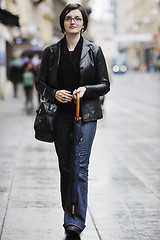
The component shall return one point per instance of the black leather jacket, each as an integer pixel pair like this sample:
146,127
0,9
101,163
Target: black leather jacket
93,72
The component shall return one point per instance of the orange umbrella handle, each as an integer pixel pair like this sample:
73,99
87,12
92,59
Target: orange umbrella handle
73,209
78,107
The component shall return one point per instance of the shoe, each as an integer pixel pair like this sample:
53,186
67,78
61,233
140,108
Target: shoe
73,230
68,237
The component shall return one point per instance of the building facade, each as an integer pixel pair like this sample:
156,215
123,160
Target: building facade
138,32
8,22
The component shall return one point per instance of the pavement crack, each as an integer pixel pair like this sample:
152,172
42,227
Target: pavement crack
98,233
9,194
132,217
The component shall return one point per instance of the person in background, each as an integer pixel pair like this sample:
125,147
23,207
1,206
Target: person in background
28,83
36,60
74,65
15,75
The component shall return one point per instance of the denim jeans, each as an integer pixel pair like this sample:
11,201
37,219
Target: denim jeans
63,145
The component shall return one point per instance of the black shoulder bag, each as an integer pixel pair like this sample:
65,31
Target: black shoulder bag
45,121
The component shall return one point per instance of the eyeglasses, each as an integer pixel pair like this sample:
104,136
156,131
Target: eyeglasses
76,19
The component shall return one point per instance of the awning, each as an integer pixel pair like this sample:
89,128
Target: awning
37,1
142,37
8,18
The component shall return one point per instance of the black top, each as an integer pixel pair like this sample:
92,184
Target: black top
68,74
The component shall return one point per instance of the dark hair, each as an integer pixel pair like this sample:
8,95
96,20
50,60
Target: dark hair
69,8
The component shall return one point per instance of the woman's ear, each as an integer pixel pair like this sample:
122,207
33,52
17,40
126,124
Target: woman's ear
82,30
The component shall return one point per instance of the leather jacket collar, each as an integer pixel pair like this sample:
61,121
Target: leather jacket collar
55,49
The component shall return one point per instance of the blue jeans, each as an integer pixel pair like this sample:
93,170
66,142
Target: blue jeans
63,145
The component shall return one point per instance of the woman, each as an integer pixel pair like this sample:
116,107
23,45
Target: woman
74,65
28,83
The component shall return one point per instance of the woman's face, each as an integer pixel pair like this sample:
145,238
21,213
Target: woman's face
73,22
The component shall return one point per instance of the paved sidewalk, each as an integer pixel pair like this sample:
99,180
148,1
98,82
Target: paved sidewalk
124,178
29,181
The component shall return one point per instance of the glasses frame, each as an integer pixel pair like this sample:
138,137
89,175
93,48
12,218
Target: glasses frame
75,19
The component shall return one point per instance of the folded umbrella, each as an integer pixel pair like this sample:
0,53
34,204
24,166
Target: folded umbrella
75,156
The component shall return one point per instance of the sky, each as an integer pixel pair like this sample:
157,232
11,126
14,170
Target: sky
74,1
100,9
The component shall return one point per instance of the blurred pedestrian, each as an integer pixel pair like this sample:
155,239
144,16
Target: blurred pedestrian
158,62
28,83
69,66
15,74
36,60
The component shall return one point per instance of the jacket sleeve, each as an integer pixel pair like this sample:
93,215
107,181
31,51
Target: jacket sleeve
102,84
42,82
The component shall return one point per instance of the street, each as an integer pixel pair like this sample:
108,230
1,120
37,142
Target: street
124,176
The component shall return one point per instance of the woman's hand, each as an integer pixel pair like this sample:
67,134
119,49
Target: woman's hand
80,90
63,96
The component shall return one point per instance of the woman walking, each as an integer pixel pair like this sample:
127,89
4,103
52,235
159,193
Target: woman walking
74,65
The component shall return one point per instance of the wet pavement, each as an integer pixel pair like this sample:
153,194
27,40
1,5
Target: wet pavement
124,178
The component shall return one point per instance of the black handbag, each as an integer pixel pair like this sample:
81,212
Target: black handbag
45,121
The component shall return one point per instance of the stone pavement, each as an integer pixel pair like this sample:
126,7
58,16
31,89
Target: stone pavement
124,178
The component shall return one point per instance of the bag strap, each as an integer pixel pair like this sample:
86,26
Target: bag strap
42,97
77,107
